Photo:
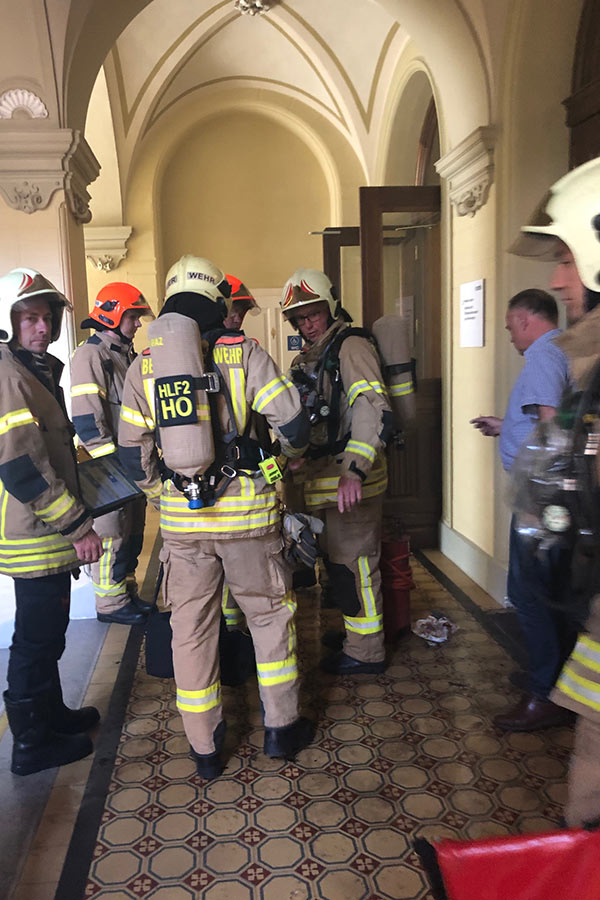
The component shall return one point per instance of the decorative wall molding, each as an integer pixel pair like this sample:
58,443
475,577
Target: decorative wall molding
469,170
105,245
254,7
36,164
22,100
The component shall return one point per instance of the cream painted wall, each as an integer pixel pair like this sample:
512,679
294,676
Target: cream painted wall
474,373
244,192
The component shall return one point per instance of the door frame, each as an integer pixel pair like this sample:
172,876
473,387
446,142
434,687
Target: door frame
374,202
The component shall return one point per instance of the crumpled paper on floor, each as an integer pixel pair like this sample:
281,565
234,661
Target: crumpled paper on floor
434,629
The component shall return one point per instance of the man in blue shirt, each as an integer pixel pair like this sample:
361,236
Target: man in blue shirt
531,320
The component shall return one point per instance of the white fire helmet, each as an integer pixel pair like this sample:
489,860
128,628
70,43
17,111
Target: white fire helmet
307,286
24,284
199,276
570,214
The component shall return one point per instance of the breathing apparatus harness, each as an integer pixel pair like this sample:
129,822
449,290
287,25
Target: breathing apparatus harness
234,452
559,502
310,385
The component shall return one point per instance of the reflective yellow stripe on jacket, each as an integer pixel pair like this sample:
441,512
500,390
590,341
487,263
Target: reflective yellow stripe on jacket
580,677
361,387
321,491
231,513
271,390
16,418
80,390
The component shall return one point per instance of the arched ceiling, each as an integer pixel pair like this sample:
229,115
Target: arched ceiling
302,50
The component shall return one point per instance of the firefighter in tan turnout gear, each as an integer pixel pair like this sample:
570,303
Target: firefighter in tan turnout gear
566,231
192,393
98,370
45,531
344,474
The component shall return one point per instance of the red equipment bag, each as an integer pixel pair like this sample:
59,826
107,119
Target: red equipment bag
558,865
396,585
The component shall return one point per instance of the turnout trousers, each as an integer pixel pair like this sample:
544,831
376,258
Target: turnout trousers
41,619
351,546
260,579
583,799
122,533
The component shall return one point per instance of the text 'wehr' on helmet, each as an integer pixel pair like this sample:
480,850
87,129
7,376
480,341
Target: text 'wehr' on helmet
196,275
23,284
308,286
112,302
569,215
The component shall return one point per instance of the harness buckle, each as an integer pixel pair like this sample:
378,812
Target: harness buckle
212,383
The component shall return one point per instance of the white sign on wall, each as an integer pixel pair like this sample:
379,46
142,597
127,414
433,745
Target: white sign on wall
472,309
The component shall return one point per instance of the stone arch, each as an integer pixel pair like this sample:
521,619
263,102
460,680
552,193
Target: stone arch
456,61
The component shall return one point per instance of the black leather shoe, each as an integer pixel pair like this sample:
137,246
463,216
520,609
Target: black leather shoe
533,714
342,664
145,606
209,765
127,615
333,640
286,742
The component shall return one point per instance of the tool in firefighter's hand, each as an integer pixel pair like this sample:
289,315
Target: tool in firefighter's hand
300,535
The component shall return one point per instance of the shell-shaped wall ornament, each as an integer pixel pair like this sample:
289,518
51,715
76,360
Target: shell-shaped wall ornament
19,99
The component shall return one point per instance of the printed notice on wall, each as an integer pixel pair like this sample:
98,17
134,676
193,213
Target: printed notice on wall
472,305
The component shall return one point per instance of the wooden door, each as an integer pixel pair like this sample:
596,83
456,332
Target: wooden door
402,274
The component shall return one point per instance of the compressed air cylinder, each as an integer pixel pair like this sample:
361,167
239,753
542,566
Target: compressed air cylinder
181,400
392,336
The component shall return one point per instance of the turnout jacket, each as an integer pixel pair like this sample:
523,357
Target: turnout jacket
98,370
365,421
248,506
40,510
578,686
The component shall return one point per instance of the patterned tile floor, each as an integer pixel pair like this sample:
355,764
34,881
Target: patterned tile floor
406,754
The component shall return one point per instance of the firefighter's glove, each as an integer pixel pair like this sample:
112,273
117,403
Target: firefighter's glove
300,537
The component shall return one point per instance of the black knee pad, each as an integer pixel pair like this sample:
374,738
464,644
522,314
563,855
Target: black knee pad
342,585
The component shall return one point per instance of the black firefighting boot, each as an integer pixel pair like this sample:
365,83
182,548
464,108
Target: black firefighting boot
68,721
209,765
287,741
35,745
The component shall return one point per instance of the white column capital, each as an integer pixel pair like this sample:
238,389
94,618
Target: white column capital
34,164
469,169
106,245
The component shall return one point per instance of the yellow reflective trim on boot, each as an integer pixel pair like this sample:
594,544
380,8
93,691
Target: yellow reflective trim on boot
199,701
581,689
277,672
364,625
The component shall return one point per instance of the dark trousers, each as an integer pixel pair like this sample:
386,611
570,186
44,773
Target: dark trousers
534,583
41,620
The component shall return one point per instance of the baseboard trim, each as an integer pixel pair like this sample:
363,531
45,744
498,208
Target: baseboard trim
478,565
